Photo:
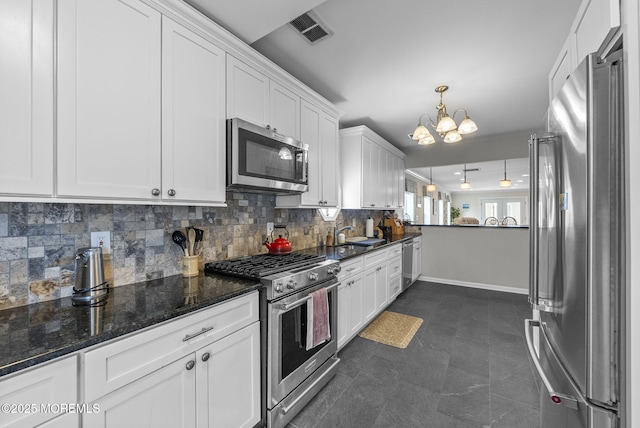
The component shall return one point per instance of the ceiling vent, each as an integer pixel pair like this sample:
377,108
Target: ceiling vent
310,27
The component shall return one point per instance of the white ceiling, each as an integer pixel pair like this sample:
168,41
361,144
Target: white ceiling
448,178
385,58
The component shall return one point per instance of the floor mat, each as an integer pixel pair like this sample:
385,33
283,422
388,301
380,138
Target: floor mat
392,329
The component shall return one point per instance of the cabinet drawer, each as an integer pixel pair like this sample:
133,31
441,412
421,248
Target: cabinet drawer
375,259
350,268
52,383
395,250
417,240
117,364
395,267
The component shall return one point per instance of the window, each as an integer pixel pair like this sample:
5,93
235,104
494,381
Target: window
427,210
500,208
409,206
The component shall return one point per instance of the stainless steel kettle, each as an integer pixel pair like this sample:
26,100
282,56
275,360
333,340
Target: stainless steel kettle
90,287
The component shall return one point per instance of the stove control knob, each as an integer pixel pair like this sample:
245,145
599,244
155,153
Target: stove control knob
291,284
334,270
278,287
313,276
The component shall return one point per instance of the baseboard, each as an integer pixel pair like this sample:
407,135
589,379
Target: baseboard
475,285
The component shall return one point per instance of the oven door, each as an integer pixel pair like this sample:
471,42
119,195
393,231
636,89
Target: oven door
264,159
289,363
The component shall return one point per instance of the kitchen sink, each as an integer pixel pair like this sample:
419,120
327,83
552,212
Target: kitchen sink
367,242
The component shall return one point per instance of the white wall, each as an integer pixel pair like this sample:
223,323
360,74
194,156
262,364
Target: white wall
484,257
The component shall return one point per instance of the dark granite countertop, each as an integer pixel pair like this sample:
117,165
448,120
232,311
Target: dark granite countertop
40,332
496,226
346,251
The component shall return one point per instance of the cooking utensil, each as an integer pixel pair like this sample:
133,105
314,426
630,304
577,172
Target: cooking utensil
192,241
179,238
199,236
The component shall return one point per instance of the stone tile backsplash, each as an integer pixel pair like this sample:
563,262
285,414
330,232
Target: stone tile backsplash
38,241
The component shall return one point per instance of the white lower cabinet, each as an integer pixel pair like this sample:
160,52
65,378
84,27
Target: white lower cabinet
368,284
38,393
417,258
200,370
350,299
164,398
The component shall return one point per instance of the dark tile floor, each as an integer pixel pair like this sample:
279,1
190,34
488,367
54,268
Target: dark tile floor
467,366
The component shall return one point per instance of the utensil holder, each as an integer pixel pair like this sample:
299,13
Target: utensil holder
189,266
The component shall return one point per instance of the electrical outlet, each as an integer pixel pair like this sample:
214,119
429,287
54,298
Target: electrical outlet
101,239
269,229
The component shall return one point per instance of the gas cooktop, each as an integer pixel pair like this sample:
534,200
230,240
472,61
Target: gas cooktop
261,265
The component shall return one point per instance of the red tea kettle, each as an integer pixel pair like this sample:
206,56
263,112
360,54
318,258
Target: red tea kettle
280,245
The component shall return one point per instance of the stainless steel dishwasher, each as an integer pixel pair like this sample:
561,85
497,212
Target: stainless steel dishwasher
407,264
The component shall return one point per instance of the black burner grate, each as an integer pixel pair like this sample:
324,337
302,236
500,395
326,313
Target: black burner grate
256,267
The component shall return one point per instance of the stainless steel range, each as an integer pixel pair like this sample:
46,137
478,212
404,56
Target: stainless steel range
292,375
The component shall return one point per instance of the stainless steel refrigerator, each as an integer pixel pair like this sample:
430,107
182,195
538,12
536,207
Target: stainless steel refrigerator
577,251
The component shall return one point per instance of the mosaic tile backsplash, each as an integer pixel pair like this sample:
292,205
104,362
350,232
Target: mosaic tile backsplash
38,241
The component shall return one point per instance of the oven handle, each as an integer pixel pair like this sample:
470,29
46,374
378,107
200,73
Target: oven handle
302,301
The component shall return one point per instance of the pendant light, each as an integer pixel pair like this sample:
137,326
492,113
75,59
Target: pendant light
505,183
431,187
465,185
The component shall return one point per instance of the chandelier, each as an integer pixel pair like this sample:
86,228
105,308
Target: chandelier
446,125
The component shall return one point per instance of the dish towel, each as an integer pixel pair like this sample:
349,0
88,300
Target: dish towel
318,329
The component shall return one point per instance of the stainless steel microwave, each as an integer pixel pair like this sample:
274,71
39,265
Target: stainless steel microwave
262,160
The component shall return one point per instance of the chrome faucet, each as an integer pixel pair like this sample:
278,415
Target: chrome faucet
336,231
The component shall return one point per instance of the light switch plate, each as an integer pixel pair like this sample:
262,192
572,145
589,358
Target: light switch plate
101,239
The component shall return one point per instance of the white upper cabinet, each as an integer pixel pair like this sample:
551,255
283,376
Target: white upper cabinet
372,172
284,111
108,99
253,97
193,116
247,93
26,103
320,132
594,29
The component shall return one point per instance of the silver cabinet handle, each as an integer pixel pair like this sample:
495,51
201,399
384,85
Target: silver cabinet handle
190,364
191,336
556,397
155,192
351,269
171,192
206,356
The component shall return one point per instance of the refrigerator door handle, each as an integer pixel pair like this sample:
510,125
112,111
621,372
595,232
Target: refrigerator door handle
556,397
534,222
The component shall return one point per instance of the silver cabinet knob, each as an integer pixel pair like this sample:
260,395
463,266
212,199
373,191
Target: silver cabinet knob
190,364
155,192
171,192
205,356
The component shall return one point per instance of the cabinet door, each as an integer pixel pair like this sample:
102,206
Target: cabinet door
284,110
51,384
399,184
370,174
108,99
329,152
228,384
382,288
164,398
193,116
562,68
310,118
247,93
356,316
369,300
344,309
26,104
